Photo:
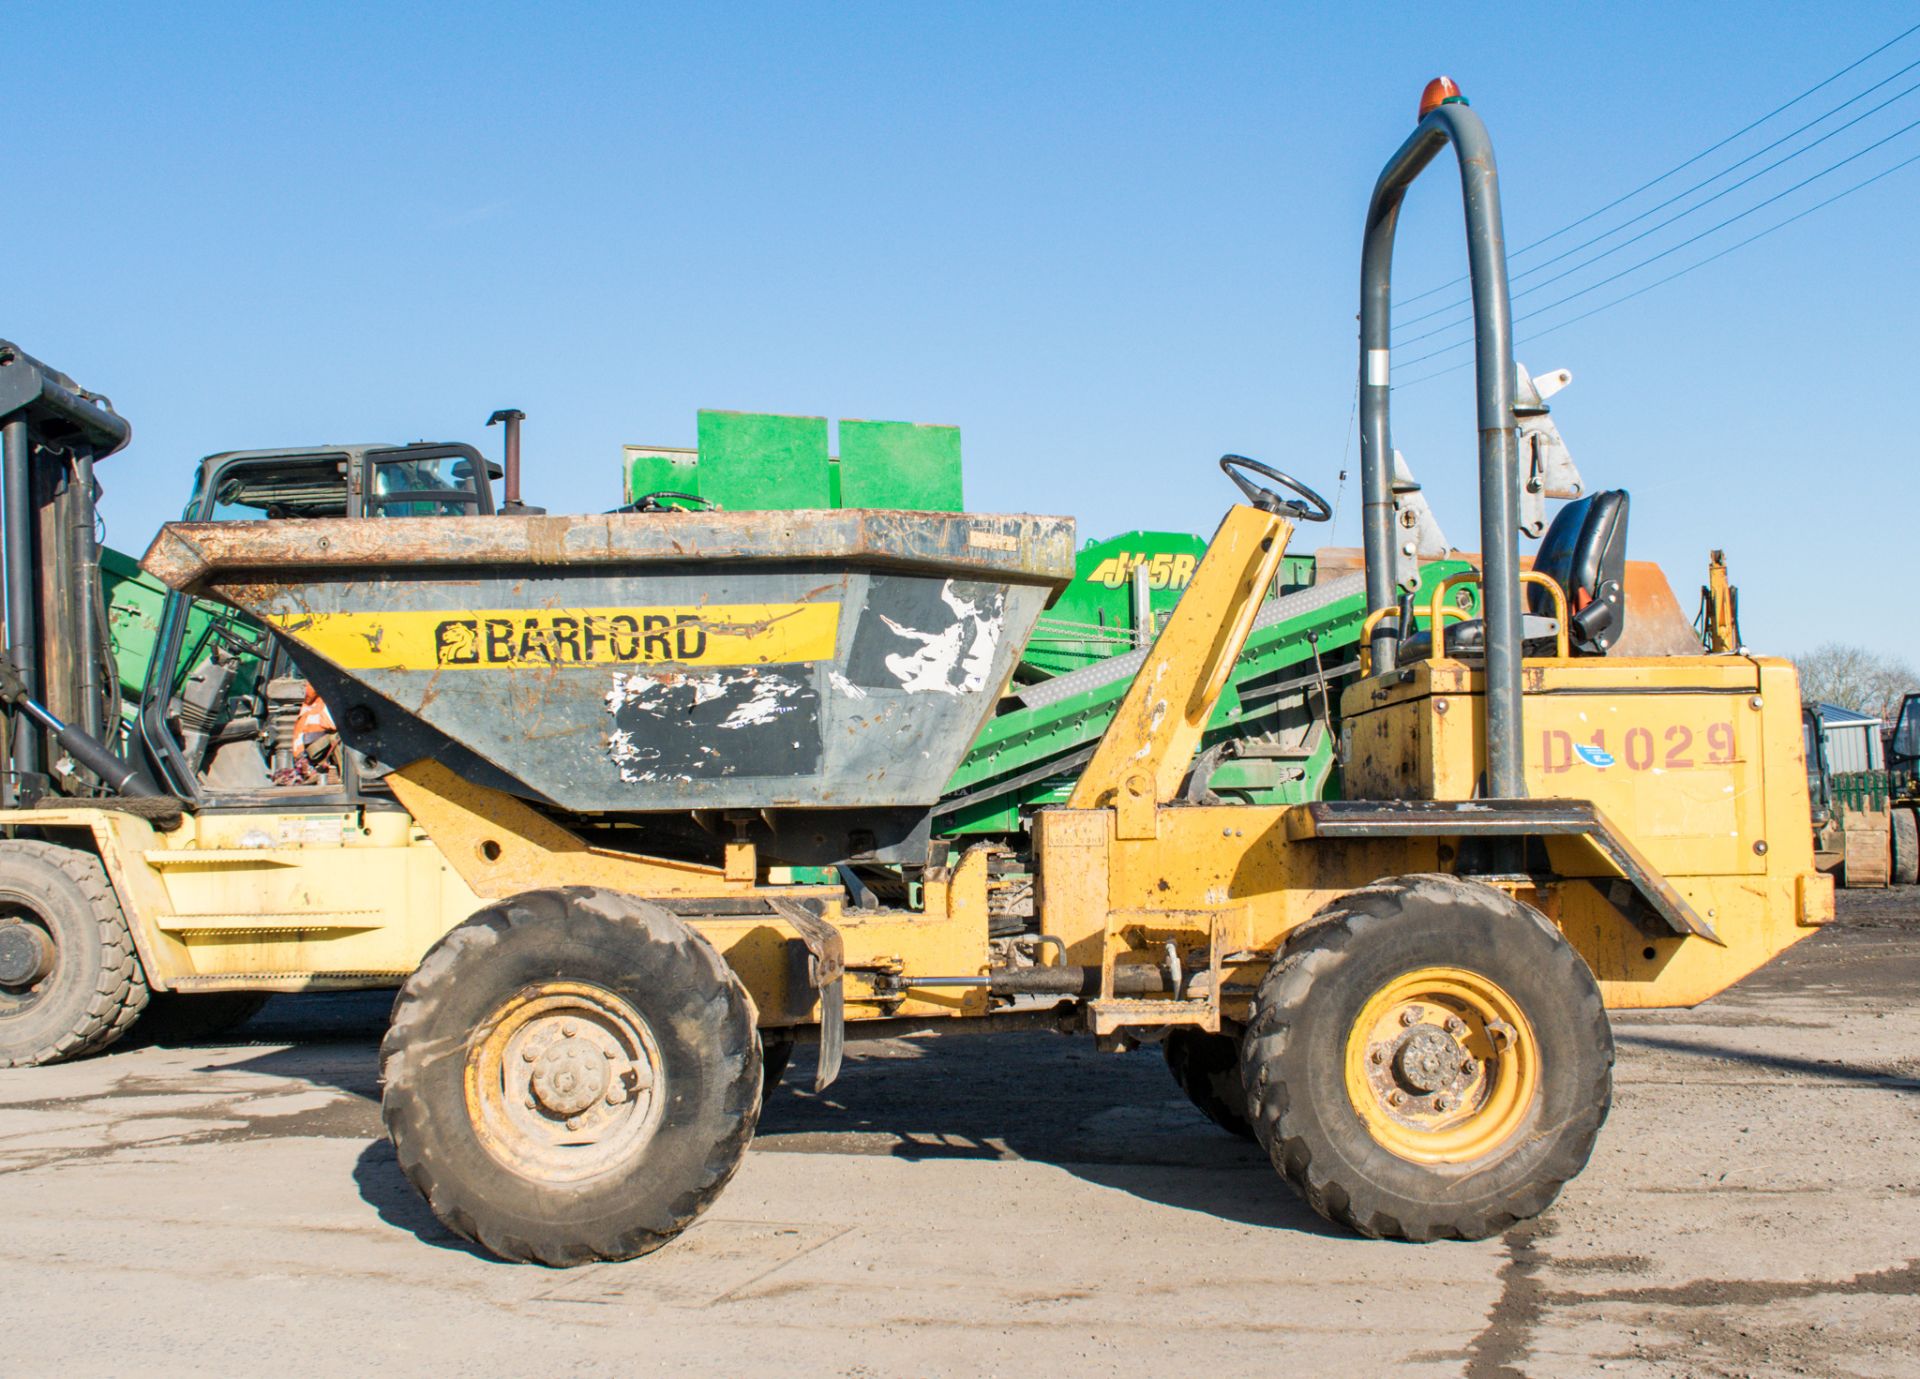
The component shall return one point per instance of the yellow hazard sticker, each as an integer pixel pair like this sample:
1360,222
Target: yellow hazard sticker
734,634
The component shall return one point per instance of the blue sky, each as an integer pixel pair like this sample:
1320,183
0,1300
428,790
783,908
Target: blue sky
1109,242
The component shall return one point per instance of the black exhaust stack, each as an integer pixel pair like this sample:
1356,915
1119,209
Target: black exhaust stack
511,417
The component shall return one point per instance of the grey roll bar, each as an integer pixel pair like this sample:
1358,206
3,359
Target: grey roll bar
1451,122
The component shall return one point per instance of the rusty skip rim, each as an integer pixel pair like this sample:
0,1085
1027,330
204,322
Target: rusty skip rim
1006,548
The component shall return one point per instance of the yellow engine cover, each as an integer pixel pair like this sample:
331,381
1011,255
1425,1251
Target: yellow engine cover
1698,760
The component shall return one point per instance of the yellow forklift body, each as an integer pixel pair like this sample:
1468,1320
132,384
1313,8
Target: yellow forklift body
270,901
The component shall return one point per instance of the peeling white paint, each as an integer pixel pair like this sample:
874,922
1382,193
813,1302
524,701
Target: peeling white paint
766,705
845,686
662,693
1154,720
646,692
953,661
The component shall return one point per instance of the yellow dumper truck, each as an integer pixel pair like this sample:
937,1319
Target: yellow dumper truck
582,752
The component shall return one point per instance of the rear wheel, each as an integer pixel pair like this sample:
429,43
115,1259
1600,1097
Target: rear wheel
776,1051
571,1075
1906,847
1207,1067
1428,1059
70,983
195,1017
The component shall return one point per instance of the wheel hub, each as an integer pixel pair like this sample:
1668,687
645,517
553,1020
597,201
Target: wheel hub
570,1076
26,954
1429,1059
562,1082
1442,1066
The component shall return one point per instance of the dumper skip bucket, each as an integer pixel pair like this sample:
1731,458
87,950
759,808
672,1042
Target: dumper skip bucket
640,663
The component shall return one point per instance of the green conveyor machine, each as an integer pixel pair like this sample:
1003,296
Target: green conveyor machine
1272,739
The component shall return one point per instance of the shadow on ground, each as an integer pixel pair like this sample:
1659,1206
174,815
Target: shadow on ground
1116,1120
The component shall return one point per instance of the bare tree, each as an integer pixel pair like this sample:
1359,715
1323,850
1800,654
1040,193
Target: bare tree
1856,678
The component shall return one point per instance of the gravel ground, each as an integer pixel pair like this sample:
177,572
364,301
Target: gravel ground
997,1206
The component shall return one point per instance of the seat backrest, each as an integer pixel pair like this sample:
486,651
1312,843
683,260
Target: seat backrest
1585,551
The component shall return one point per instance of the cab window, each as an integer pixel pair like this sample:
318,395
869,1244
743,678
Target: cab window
434,486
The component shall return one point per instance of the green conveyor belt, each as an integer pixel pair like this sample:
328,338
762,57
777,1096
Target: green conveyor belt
1271,711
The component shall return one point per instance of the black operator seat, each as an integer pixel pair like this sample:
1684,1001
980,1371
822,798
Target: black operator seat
1585,553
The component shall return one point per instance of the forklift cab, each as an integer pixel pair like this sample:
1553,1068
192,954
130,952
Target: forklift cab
219,710
1903,746
1813,738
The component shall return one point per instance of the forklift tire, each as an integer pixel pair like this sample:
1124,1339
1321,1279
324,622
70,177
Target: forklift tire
1428,1059
174,1018
1207,1067
1906,847
776,1051
70,981
571,1075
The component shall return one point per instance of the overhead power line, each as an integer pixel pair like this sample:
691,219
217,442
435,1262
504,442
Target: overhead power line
1697,186
1682,167
1661,282
1672,219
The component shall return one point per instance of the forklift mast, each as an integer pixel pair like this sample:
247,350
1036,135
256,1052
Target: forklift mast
54,432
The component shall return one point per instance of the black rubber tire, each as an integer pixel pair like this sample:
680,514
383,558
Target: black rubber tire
699,1014
97,987
776,1051
1292,1061
1207,1067
1906,847
174,1018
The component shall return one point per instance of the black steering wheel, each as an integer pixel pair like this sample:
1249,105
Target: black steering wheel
1314,509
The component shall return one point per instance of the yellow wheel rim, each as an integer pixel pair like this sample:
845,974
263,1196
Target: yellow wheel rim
564,1082
1442,1066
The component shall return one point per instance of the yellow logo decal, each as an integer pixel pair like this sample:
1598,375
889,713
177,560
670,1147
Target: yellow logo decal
1164,570
734,634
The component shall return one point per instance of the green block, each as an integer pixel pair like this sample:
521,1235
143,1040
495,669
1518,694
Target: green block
755,461
897,464
660,469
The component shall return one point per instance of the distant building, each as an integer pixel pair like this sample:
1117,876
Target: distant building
1853,739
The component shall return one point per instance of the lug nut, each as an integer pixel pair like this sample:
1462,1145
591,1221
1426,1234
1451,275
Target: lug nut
1395,1098
1440,1103
532,1105
1466,1067
1456,1026
1411,1015
573,1122
1379,1055
567,1029
529,1055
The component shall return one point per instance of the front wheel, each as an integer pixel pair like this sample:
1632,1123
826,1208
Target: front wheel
1429,1058
1905,846
1207,1067
173,1018
571,1075
70,981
